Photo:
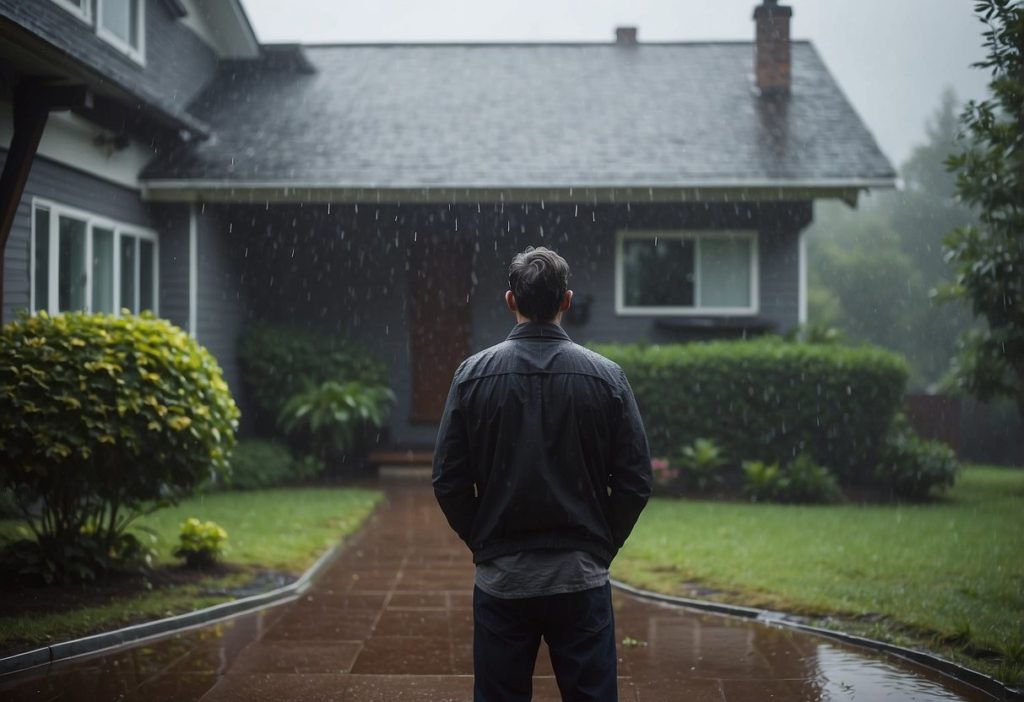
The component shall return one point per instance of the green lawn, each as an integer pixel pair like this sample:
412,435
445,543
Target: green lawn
948,575
282,530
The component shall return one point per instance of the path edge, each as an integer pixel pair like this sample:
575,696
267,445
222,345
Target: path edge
47,655
948,668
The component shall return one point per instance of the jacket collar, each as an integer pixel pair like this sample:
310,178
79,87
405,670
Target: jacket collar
539,330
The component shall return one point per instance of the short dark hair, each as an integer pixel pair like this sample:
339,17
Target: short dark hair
538,278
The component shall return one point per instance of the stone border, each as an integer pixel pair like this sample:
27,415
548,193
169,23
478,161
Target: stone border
161,627
985,683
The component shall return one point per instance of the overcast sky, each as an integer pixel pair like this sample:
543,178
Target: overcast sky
892,57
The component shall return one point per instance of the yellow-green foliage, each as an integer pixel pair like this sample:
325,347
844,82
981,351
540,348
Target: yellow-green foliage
103,415
200,543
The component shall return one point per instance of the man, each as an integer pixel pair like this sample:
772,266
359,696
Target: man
542,468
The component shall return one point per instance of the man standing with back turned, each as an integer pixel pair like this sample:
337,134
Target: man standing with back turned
542,468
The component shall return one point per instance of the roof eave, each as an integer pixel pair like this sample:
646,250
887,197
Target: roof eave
226,191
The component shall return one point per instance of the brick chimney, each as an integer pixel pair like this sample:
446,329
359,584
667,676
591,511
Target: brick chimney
625,36
771,47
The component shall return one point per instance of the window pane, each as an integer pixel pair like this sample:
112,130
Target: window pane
41,266
147,280
128,273
658,273
120,18
725,272
71,265
102,270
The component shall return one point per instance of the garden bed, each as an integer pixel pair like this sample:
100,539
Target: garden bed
273,536
944,575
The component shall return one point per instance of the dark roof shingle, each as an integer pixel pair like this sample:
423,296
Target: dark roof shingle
541,115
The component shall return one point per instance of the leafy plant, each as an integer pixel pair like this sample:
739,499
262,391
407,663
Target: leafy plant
802,480
200,543
912,467
806,481
763,481
103,419
279,362
330,413
702,463
989,257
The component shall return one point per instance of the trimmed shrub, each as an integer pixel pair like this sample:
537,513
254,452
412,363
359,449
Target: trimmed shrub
104,418
768,400
200,543
279,362
912,467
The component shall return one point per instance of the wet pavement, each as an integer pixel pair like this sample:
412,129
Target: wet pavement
391,619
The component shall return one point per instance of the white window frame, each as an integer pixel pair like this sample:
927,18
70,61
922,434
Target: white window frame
92,221
697,309
83,13
137,54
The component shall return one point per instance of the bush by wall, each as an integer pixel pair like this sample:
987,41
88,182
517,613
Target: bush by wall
911,467
768,400
103,417
279,362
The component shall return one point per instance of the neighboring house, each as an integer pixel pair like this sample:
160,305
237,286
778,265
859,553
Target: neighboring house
380,190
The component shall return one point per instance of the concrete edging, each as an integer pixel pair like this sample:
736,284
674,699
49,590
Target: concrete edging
136,633
985,683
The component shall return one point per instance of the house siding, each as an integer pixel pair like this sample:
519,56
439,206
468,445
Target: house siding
221,309
64,186
346,271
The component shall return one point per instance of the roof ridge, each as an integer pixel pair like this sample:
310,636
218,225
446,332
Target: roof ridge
518,44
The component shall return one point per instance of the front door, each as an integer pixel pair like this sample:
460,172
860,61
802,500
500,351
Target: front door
440,320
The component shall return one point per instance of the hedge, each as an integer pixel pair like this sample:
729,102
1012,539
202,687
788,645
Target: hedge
768,400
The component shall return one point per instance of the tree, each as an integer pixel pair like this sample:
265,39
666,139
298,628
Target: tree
872,270
989,256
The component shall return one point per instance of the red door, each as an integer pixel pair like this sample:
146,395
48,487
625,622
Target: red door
440,320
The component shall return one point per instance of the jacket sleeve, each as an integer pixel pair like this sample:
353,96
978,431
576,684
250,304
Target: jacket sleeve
452,475
631,477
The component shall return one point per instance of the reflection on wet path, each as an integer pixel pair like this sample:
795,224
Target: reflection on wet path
391,619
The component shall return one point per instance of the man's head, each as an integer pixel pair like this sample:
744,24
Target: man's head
538,281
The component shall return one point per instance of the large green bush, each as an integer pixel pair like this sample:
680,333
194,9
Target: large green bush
768,400
102,418
279,362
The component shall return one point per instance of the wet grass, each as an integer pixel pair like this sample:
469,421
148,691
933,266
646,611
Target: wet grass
947,575
282,530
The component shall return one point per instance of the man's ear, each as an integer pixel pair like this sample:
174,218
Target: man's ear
566,301
510,301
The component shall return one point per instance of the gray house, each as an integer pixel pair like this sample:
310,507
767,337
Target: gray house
161,157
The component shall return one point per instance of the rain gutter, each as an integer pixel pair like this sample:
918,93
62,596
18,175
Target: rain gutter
138,633
982,682
265,192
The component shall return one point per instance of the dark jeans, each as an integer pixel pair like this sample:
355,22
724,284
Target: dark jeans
578,627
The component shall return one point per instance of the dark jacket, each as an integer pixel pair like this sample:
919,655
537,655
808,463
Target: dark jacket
541,446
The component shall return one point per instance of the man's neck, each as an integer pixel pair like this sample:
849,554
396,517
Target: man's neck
520,319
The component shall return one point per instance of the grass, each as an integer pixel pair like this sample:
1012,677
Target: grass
948,575
281,530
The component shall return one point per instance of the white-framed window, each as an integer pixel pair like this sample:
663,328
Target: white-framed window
675,272
81,261
82,9
122,24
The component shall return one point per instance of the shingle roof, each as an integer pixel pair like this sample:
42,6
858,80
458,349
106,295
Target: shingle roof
527,115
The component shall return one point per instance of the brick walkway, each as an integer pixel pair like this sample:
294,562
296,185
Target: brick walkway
391,619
